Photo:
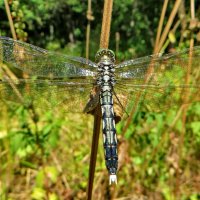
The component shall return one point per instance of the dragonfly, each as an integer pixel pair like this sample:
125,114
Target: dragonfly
77,84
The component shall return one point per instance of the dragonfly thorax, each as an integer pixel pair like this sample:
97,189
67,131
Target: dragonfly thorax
105,59
105,74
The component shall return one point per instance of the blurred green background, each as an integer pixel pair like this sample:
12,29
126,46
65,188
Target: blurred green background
46,155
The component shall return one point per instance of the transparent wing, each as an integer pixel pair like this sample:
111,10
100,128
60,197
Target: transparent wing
42,63
156,65
156,98
45,94
159,82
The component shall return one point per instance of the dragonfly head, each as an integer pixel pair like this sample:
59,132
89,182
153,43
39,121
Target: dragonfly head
105,55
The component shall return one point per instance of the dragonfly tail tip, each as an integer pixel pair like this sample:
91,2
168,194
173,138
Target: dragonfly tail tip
113,179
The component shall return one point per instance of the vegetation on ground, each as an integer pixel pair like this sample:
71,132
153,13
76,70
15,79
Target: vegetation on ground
45,154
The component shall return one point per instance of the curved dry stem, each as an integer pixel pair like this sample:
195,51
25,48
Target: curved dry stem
105,29
10,20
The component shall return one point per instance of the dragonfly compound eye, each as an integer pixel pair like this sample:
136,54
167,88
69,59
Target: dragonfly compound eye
106,52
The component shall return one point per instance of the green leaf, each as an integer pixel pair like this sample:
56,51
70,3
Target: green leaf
137,160
38,194
25,163
196,127
53,196
52,173
40,178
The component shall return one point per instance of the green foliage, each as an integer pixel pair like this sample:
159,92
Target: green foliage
49,152
36,17
29,137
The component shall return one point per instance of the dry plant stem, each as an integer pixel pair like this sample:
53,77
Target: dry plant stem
150,70
185,100
187,80
160,25
8,178
156,50
14,37
99,180
117,38
104,42
8,72
100,185
179,113
182,17
89,18
136,105
168,25
10,20
9,76
168,41
93,156
192,4
15,90
186,95
87,41
105,29
59,168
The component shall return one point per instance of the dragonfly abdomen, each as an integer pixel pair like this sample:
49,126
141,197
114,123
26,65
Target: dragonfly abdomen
109,132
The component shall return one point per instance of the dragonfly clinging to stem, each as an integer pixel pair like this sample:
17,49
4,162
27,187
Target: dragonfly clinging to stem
156,82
